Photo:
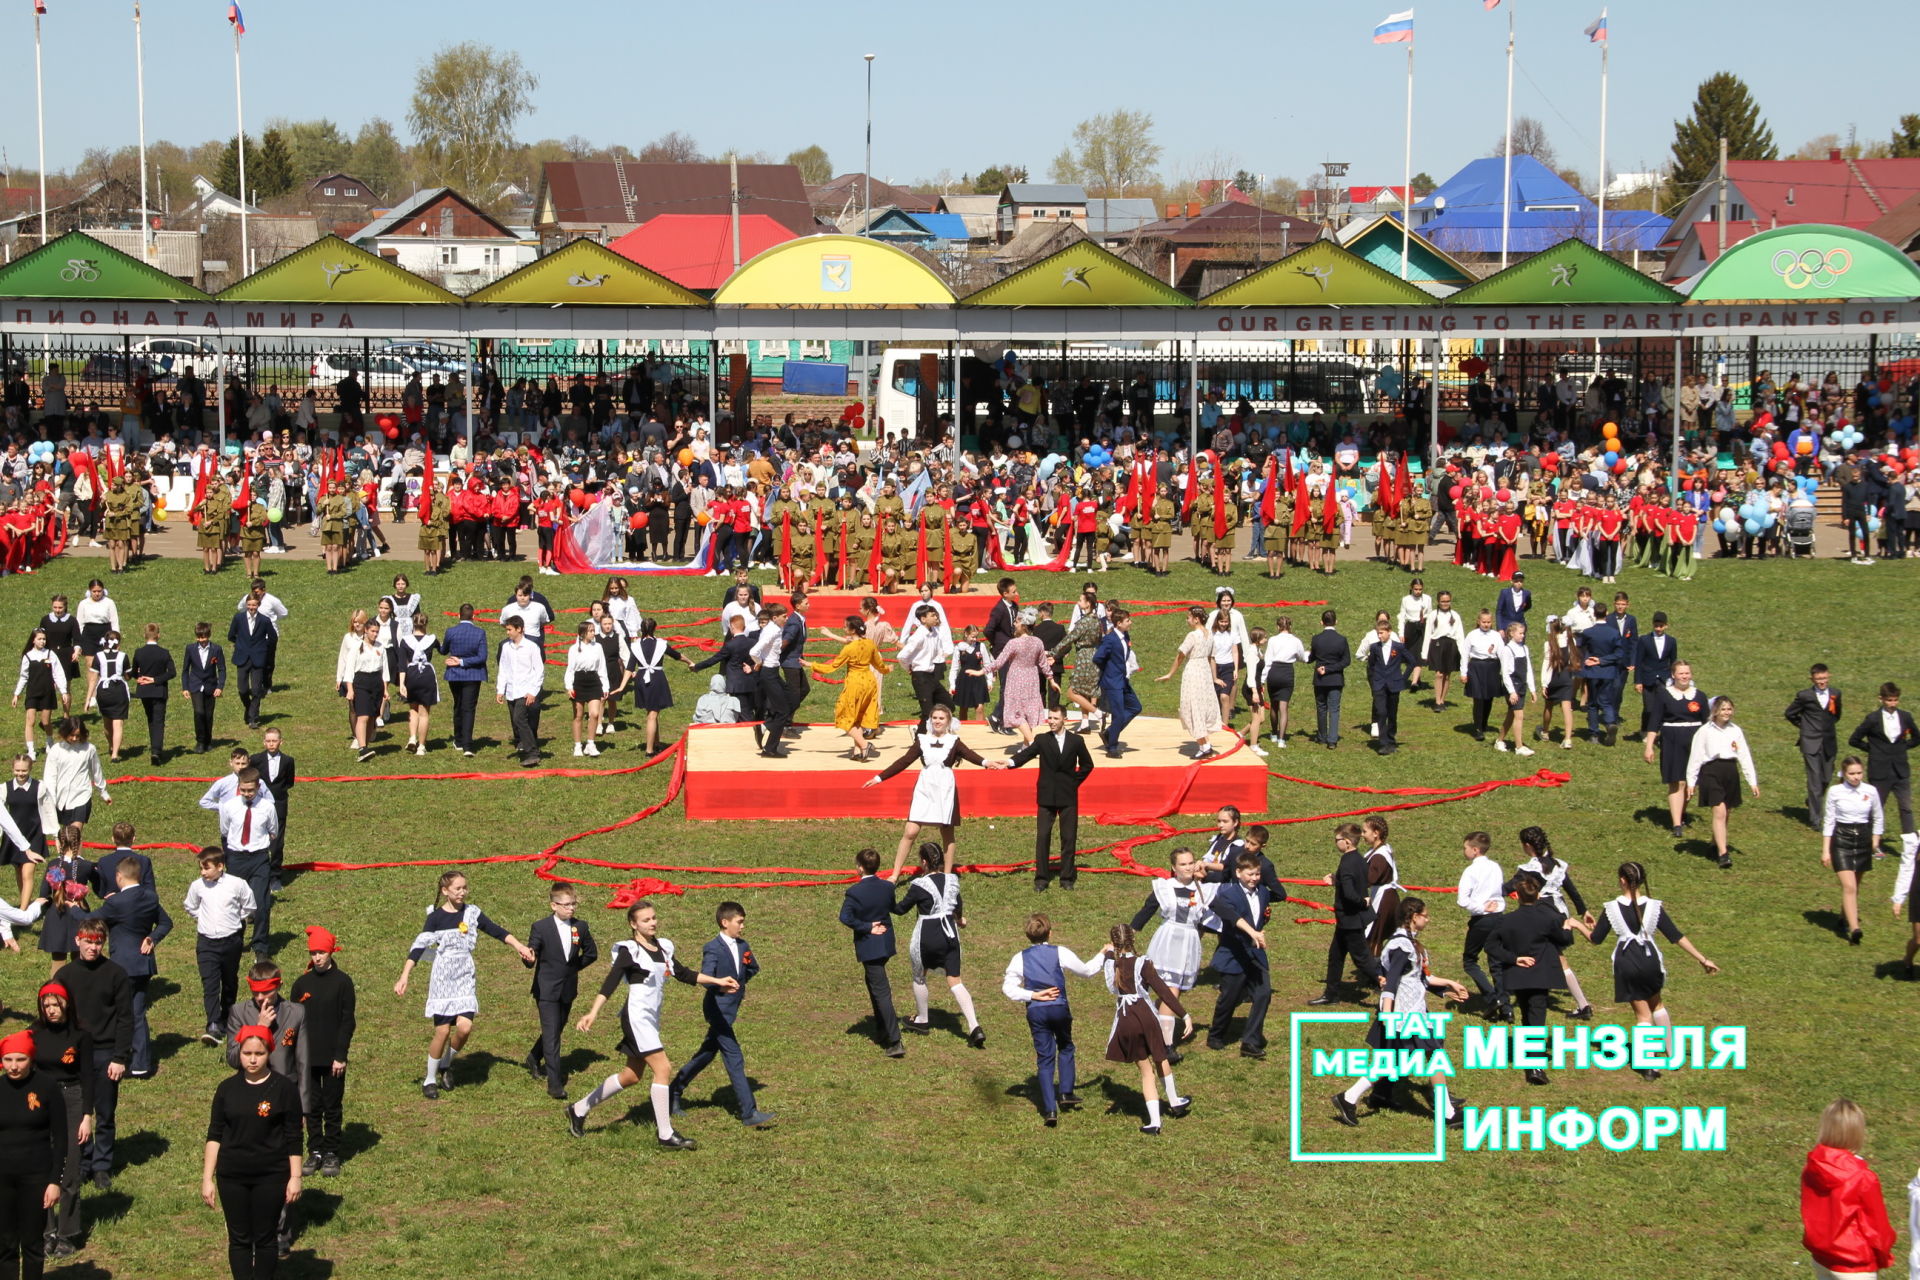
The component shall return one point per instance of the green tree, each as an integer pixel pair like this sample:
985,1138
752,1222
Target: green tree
1109,153
466,101
1906,137
1423,182
1723,107
813,164
378,158
995,176
227,176
315,148
270,169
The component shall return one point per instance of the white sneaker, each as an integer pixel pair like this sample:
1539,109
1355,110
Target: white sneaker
1256,750
412,742
1373,731
1523,751
593,748
93,542
579,749
420,750
379,722
1279,743
1502,746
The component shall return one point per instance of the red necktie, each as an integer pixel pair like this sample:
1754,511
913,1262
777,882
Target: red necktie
246,826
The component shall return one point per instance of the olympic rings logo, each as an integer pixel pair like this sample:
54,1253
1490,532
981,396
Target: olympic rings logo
1816,267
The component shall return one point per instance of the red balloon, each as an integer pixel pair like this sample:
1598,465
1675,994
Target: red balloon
578,497
637,521
1456,491
1505,495
1550,462
387,422
390,430
1620,467
1779,448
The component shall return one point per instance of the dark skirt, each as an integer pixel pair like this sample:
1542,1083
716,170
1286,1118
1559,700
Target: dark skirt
58,930
1445,655
1636,974
1377,1039
1720,783
367,692
1280,688
92,636
1853,847
394,664
586,687
970,690
421,686
1675,747
1559,688
1136,1035
1223,677
652,694
41,694
1416,637
1483,680
112,700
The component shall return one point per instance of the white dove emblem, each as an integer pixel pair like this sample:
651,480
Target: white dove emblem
1320,275
335,270
1076,275
587,282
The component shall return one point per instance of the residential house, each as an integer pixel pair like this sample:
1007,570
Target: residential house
1199,248
981,214
441,235
935,232
1022,204
1901,227
211,202
605,199
1111,221
846,195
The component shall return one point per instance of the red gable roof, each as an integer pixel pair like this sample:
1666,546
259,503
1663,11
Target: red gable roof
1835,190
696,249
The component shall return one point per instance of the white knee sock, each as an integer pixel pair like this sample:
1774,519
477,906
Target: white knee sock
1167,1026
1450,1107
1358,1090
920,1001
1153,1113
601,1092
1661,1018
433,1069
965,1001
1573,986
1173,1091
662,1115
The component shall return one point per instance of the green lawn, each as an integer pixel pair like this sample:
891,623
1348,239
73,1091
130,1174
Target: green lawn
937,1164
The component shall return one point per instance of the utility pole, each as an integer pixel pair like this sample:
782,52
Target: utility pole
1723,195
733,172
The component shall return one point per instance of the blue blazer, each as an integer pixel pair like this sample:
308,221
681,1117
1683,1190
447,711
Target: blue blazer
1601,641
716,960
254,650
1389,667
1511,606
1236,952
198,678
133,915
1653,669
1110,655
869,900
1629,628
467,642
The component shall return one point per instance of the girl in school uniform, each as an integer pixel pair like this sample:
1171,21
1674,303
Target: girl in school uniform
619,659
1849,833
1278,657
586,685
1557,658
453,925
72,773
1225,653
1517,681
936,941
1411,623
107,678
97,615
969,676
386,633
419,682
1408,978
359,673
651,691
1639,970
405,603
1556,890
936,801
24,842
1136,1035
1440,651
1679,710
63,637
1719,748
43,681
1383,880
642,965
63,883
1184,904
1480,671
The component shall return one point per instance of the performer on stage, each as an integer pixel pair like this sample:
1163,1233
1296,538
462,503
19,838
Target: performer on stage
936,801
857,712
1064,764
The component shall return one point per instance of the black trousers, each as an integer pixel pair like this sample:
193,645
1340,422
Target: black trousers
1819,777
1068,816
257,870
682,522
799,685
1533,1007
1386,716
880,995
1897,792
203,707
1482,711
219,963
23,1247
1647,694
252,682
546,1049
277,851
63,1220
525,722
252,1207
1350,943
326,1093
156,709
927,690
1257,989
774,711
97,1155
466,696
1479,929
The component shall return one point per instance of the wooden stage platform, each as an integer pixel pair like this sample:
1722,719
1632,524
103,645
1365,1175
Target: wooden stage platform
726,777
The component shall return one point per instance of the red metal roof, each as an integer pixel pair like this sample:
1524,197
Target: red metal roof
696,249
587,194
1835,190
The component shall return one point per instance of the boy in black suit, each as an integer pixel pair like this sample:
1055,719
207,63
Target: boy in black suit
868,911
1352,915
203,678
1330,654
136,924
562,946
1887,736
253,639
1389,667
277,775
725,956
1065,763
1241,958
1653,657
153,671
1815,713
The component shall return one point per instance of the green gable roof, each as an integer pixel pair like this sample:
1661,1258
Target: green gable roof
585,273
1080,275
331,270
1321,275
1798,264
1379,244
1572,271
80,267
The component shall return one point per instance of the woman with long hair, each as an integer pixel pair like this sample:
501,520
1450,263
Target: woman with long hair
1136,1035
1719,748
1853,820
1199,697
1639,970
1403,958
1558,658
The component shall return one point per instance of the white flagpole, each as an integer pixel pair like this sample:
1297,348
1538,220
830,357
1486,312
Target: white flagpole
140,91
240,118
1600,228
1406,172
1506,188
40,110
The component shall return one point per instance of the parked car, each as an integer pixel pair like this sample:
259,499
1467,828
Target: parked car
381,371
430,358
162,359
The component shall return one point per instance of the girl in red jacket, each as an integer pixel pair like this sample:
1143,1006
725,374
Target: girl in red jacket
1841,1206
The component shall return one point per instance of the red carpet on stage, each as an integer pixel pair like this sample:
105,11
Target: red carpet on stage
727,778
831,608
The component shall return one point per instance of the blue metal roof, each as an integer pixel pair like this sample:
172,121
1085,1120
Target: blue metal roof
1463,214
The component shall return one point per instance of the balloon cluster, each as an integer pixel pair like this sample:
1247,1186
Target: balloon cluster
1753,516
389,425
1848,437
40,451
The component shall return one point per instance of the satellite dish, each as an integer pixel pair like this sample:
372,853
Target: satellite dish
1440,203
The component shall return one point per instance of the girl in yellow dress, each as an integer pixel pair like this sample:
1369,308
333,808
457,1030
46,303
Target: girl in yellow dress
857,713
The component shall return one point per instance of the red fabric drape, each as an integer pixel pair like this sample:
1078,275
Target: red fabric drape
1267,495
1329,507
425,505
1302,504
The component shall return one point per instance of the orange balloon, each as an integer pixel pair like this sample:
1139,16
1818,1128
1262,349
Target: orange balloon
686,457
1609,430
702,518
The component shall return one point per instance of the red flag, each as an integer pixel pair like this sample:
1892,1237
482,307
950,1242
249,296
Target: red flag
426,485
1267,490
1329,508
1219,497
1302,503
1402,487
1193,486
244,499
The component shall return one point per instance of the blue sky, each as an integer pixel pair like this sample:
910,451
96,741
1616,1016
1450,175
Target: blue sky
1269,87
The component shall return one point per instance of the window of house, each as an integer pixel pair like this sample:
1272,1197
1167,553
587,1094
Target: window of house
1039,213
1737,212
326,191
352,191
492,257
449,255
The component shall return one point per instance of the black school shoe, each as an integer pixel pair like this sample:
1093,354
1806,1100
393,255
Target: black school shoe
1345,1112
674,1142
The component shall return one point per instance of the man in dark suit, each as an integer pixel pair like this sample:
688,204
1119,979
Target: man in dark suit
1511,605
1815,712
1527,944
1241,958
998,631
278,776
725,956
136,924
1887,735
1113,655
562,946
793,660
1049,633
1653,657
253,639
106,878
1352,916
203,678
867,909
1065,763
1389,666
153,671
1606,654
736,653
1330,655
466,646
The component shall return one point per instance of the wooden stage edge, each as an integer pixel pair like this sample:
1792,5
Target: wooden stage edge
726,777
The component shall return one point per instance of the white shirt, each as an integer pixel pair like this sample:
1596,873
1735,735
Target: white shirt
734,609
586,656
1711,742
1890,724
939,624
72,771
1413,609
522,669
1013,984
564,929
1480,644
626,613
1853,805
922,649
1480,882
1513,659
1579,618
533,616
1284,649
52,662
233,819
356,656
271,609
1442,624
104,610
221,909
766,646
220,792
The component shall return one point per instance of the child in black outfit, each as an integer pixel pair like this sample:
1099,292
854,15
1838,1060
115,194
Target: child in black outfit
325,993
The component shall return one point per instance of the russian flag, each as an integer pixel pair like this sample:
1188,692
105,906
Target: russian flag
1597,33
239,23
1397,29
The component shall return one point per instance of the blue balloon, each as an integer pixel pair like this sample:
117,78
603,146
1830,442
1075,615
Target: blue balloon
1769,520
1873,524
1751,526
1874,400
1612,457
1719,526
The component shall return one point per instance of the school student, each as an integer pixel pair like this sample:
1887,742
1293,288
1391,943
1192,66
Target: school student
865,910
33,1131
62,1054
1528,942
247,826
1184,903
1036,977
278,775
642,965
453,926
936,942
1352,915
136,925
1136,1031
326,995
1639,970
562,945
1404,960
153,674
1480,671
203,679
1481,896
1556,890
1244,908
251,1169
1888,736
220,905
103,1008
288,1057
726,955
1719,746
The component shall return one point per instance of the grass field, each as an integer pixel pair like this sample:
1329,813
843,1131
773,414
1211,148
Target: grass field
937,1164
